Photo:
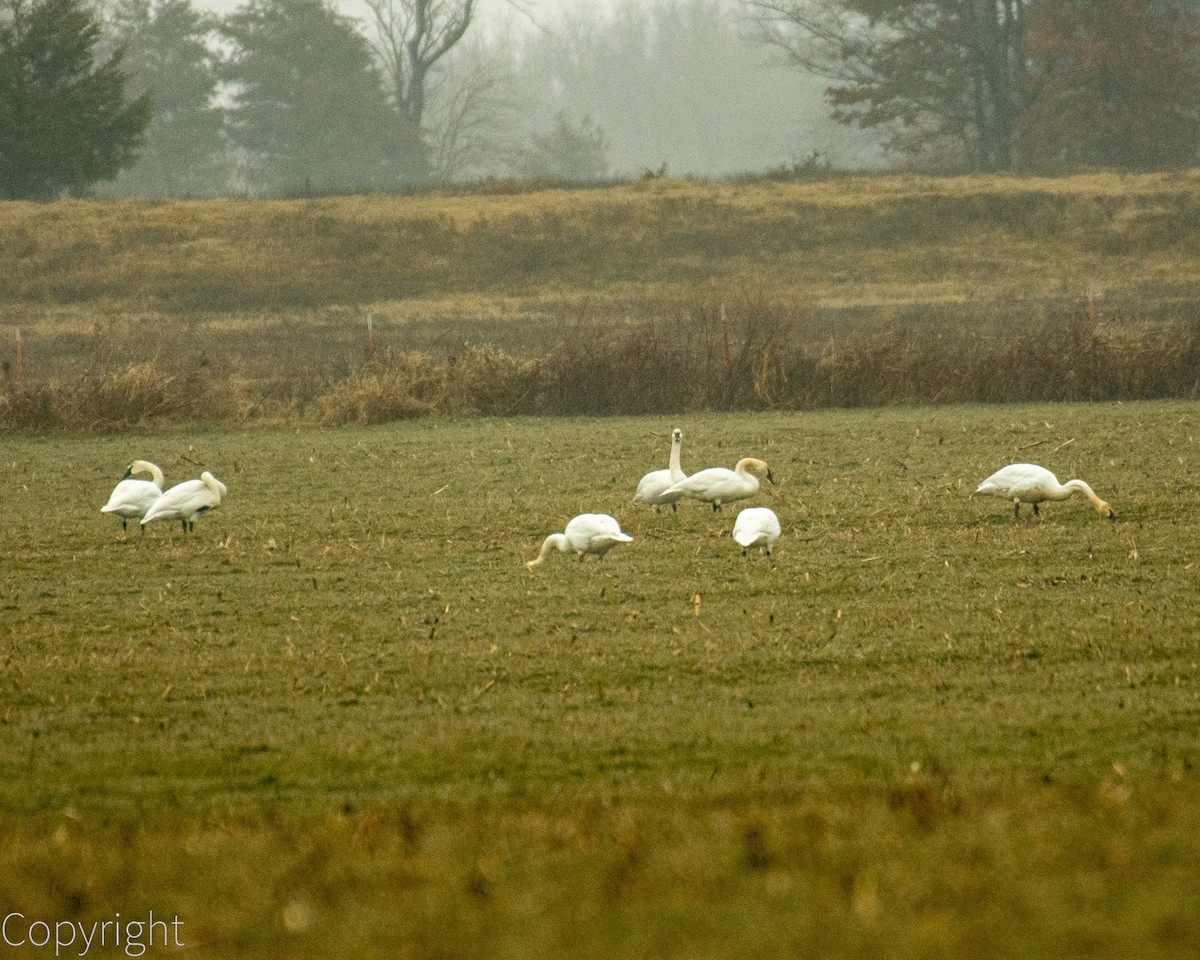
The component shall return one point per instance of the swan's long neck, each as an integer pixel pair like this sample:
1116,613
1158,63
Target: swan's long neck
744,468
145,466
213,484
673,465
1080,486
556,541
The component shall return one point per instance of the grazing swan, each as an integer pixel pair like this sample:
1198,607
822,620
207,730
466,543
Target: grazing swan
131,498
587,533
654,484
1029,483
186,501
756,527
718,485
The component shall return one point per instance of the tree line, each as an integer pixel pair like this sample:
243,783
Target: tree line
288,96
1005,84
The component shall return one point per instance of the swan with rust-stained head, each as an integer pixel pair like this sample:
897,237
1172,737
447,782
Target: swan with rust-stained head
186,501
587,533
756,527
652,486
719,485
1029,483
131,498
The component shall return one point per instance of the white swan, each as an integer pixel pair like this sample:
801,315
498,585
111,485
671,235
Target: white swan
131,498
1029,483
718,485
186,501
654,484
587,533
756,527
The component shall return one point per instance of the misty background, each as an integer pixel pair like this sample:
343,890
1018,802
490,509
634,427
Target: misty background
301,97
588,90
680,85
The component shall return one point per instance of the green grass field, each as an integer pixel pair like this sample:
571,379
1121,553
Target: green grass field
343,720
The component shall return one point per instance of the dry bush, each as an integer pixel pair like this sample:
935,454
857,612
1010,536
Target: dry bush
138,395
30,410
397,385
484,381
400,385
748,353
761,355
701,357
125,396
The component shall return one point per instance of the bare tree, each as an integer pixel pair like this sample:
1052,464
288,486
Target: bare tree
411,36
469,113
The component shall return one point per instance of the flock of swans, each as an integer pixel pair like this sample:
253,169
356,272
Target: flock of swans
597,533
145,500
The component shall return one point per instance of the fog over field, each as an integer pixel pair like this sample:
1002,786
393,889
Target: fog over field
675,85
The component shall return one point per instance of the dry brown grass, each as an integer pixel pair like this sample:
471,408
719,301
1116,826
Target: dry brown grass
841,291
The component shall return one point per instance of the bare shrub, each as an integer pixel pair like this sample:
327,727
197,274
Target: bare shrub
138,395
395,386
746,353
28,410
484,381
700,357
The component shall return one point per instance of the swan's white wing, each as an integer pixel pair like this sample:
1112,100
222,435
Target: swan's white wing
182,501
700,482
652,486
132,498
756,525
1018,480
590,532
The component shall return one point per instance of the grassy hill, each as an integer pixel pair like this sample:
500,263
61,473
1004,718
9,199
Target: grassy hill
254,311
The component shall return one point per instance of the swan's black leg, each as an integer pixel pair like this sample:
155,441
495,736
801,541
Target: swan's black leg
716,506
1035,510
124,521
1016,508
743,551
674,508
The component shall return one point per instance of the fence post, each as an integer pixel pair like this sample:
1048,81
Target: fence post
19,364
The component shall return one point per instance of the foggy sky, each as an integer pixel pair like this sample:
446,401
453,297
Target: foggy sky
750,119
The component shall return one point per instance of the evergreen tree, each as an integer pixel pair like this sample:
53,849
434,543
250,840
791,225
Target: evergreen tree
168,57
309,103
65,122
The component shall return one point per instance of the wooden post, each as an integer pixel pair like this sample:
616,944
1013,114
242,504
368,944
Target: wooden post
725,347
19,365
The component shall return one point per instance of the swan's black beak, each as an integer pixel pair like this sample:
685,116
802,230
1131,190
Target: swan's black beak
127,474
770,477
1112,516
